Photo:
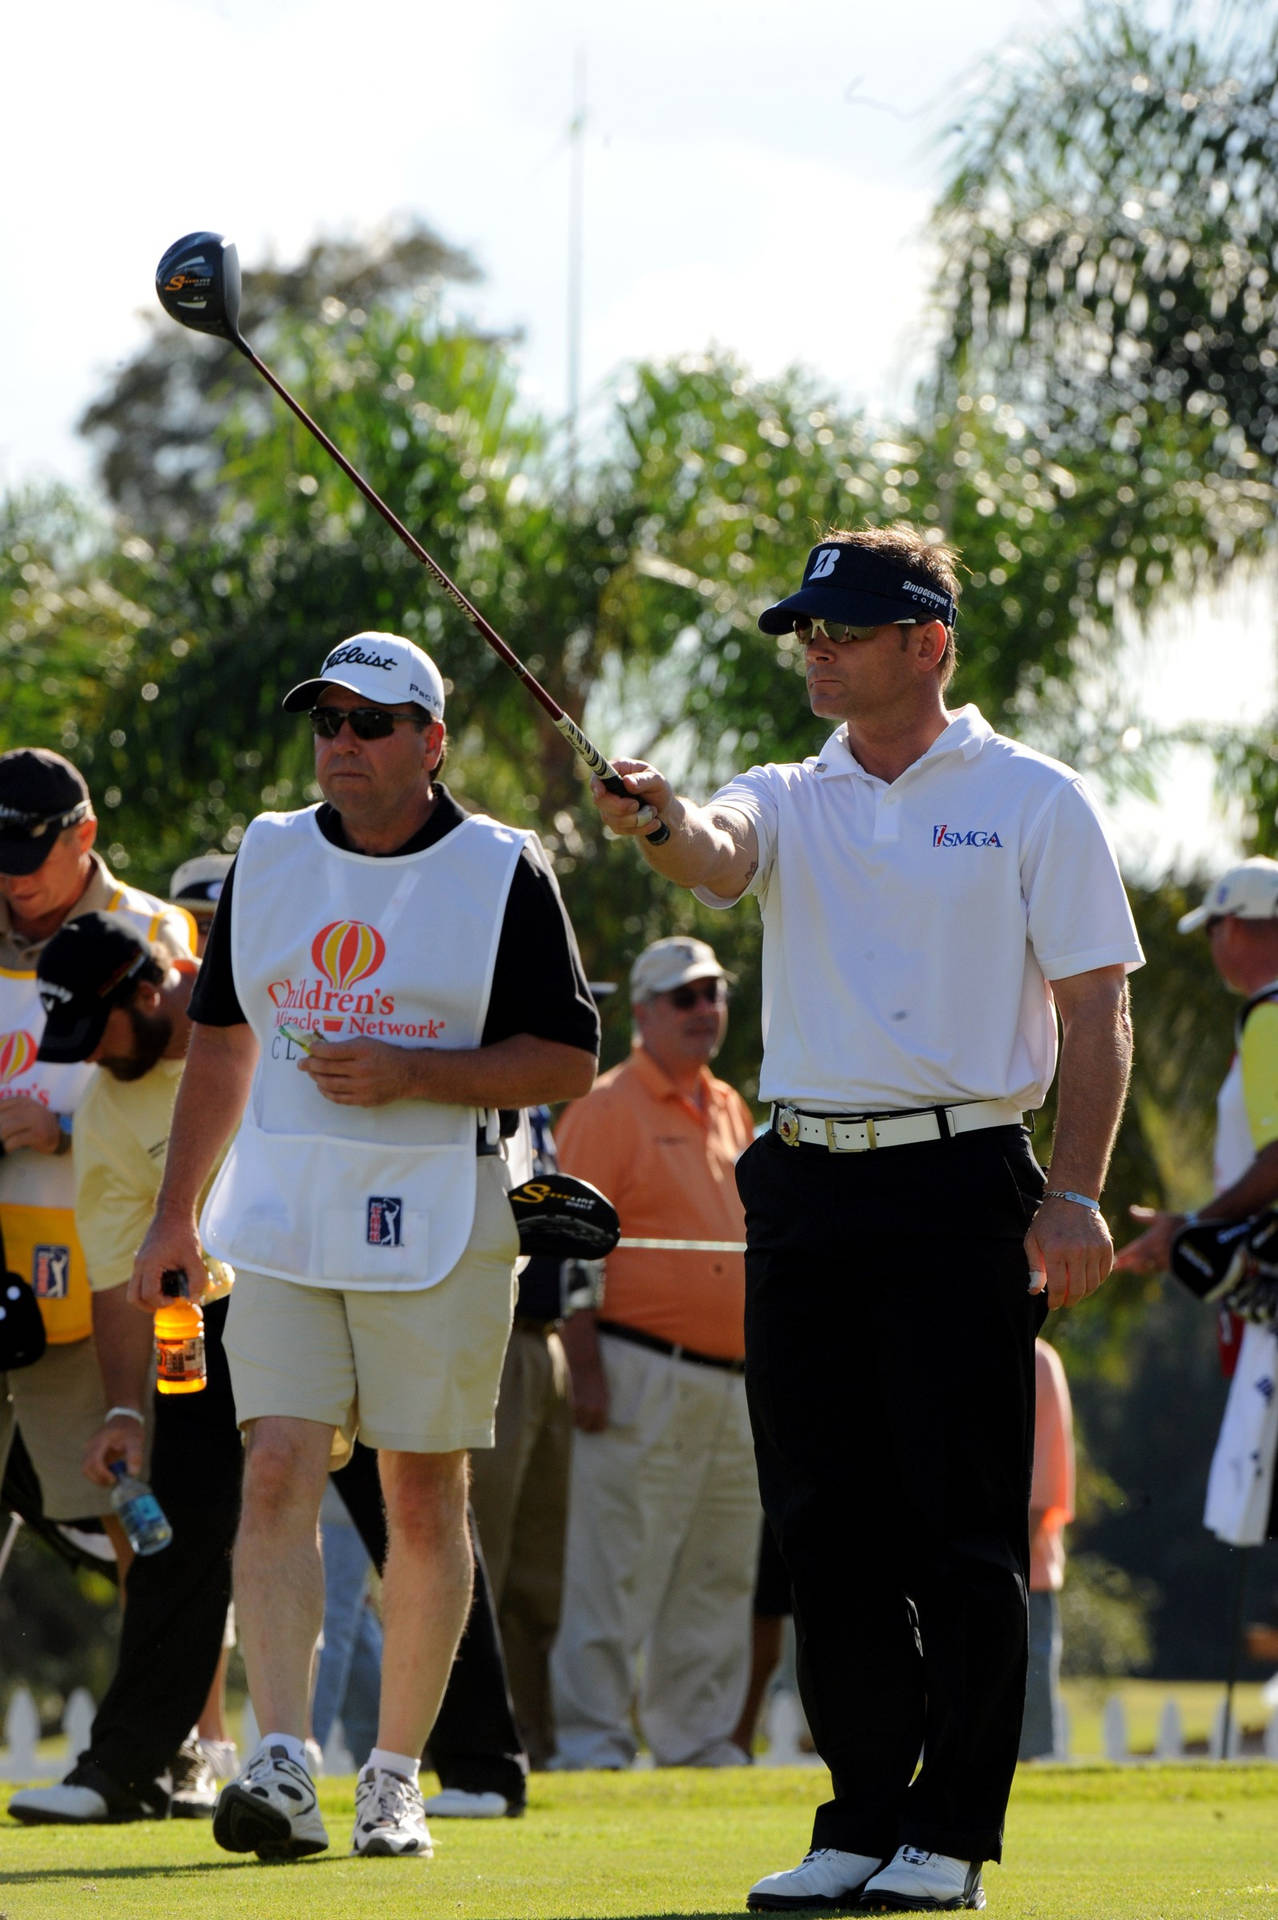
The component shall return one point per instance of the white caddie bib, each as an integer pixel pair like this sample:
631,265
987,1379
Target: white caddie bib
341,944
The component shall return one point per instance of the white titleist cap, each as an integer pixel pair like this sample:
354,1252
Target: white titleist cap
1248,891
379,666
672,963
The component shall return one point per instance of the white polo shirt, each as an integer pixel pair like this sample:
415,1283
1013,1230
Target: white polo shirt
910,929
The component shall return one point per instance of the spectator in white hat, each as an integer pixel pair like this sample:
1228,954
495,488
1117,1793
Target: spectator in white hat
1240,915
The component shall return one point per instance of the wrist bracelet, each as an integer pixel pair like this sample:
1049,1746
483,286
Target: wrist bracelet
1079,1199
130,1412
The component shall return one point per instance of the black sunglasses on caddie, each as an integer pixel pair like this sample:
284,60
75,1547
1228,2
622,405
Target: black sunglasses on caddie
366,723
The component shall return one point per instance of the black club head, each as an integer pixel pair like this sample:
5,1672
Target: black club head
198,284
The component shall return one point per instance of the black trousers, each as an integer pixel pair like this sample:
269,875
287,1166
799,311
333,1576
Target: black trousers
890,1375
171,1634
474,1744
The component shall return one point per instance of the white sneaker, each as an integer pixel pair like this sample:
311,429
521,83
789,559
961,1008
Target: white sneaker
390,1817
271,1810
826,1878
455,1803
917,1882
223,1757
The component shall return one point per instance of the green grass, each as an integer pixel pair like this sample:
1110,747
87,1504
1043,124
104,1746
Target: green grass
1084,1843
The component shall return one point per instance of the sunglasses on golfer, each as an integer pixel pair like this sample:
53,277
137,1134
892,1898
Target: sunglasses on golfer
366,723
712,992
838,632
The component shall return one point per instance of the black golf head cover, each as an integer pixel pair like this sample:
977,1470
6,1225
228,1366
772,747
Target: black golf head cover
1232,1264
564,1217
22,1335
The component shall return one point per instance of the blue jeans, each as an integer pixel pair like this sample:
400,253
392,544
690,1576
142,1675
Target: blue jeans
348,1676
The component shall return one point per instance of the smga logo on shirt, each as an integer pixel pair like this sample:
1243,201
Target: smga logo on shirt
947,836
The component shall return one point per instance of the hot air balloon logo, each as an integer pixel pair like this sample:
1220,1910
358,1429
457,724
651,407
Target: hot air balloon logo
346,951
17,1053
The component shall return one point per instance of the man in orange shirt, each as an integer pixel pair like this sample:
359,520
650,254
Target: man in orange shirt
663,1516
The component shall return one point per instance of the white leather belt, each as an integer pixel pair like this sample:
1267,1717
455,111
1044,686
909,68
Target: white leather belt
859,1133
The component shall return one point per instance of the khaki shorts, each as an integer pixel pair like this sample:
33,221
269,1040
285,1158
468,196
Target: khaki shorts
413,1371
59,1406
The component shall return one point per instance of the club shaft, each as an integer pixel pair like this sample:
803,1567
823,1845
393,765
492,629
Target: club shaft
584,748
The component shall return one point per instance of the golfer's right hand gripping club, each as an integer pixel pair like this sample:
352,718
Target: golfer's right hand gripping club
198,283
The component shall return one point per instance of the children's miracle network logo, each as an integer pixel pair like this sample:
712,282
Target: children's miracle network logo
346,951
948,836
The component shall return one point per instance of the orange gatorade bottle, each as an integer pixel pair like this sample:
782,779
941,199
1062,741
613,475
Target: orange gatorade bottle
179,1339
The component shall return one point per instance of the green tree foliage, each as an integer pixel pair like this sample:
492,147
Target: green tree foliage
1109,240
1108,235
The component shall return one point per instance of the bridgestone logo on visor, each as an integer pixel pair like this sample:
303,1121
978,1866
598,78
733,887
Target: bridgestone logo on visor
925,593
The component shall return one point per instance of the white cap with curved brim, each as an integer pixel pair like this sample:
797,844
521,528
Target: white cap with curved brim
673,962
381,667
1248,891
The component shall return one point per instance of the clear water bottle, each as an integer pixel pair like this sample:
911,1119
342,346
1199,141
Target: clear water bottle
140,1512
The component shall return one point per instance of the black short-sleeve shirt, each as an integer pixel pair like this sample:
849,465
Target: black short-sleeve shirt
539,985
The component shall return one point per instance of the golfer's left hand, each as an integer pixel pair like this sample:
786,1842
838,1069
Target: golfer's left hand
359,1072
1071,1245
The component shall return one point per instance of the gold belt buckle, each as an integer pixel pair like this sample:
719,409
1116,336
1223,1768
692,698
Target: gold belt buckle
788,1126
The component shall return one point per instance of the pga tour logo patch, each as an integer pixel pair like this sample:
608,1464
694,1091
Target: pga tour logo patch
384,1221
51,1272
948,836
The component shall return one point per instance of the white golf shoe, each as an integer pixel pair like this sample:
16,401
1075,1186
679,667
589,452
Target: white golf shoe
271,1810
390,1817
463,1803
826,1880
914,1881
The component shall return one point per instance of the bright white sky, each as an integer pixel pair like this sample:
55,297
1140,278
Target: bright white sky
755,176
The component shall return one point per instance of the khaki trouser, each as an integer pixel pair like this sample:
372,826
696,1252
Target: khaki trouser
663,1540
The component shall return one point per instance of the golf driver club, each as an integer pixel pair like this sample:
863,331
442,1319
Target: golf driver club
198,284
567,1218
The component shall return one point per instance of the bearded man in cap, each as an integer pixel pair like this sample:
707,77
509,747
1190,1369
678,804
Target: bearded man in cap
385,973
934,898
49,872
1240,915
663,1504
117,1003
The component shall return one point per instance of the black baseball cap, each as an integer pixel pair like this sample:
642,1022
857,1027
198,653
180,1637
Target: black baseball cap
40,794
92,964
861,587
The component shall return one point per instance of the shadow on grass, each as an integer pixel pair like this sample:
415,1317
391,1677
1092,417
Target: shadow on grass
162,1870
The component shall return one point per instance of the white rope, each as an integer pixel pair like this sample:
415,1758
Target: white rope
684,1246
